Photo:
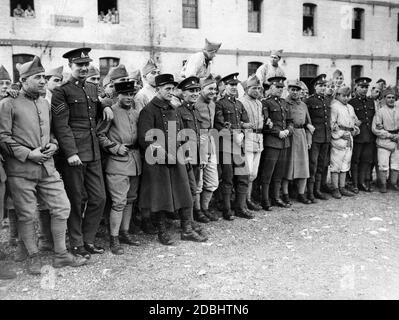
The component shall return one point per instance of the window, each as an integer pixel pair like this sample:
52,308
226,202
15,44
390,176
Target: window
108,11
22,8
190,14
356,72
308,25
307,72
358,23
19,58
252,67
254,15
107,63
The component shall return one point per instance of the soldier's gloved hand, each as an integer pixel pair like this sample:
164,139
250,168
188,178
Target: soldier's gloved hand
269,123
37,156
122,151
108,114
74,161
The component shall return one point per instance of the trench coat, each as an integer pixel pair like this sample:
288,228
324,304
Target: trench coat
164,187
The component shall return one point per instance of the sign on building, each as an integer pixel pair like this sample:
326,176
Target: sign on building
67,21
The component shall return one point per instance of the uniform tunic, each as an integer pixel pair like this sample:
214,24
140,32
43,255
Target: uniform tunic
385,126
164,187
144,96
320,115
253,137
208,178
343,119
298,159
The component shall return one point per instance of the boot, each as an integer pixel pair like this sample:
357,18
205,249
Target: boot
303,199
355,178
346,193
68,260
198,229
34,264
227,212
199,216
45,242
362,178
286,199
115,246
163,236
147,226
188,233
6,273
250,204
126,238
277,201
212,216
21,254
317,193
240,209
382,177
265,198
336,194
394,180
13,228
310,191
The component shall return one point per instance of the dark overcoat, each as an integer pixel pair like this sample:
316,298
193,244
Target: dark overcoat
164,187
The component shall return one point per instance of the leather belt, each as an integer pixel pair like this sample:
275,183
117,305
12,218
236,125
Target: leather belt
299,126
394,131
259,131
346,128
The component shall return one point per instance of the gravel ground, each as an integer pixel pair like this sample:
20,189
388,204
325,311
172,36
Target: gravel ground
336,249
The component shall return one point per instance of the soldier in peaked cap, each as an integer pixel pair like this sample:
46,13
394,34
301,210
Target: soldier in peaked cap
276,144
199,64
364,143
76,110
191,119
148,92
231,119
25,129
165,186
271,68
119,139
320,114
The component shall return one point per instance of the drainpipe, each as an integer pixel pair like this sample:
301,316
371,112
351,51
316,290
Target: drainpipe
151,29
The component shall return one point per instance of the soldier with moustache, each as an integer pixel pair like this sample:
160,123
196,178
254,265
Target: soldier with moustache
231,119
364,143
320,115
75,110
276,141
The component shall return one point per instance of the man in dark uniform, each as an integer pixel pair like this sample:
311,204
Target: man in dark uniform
75,108
320,114
364,144
230,119
276,143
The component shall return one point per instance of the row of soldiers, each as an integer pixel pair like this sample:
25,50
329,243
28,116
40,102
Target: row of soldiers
170,146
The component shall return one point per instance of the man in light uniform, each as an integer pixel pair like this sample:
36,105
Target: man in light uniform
386,127
54,79
148,92
199,64
253,138
344,125
270,69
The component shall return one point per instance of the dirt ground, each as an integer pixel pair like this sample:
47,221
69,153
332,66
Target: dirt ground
336,249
